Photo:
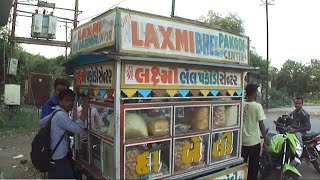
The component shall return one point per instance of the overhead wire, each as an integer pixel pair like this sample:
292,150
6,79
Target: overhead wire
102,12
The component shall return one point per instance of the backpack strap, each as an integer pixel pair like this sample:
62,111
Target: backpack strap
49,126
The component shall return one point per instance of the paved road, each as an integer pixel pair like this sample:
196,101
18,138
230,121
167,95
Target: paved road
307,171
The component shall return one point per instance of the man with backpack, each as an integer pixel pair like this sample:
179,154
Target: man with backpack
49,106
60,166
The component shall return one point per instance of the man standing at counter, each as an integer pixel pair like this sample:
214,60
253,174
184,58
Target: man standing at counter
253,115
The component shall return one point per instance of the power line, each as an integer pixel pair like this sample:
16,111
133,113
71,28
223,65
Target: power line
102,12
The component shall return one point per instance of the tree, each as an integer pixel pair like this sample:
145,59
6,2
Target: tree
313,70
232,22
292,78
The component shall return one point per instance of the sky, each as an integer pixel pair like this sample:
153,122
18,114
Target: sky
293,25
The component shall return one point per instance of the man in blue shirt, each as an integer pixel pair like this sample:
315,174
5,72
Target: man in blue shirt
61,124
49,106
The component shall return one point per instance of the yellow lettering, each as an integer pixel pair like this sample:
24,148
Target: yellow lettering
224,145
148,162
192,152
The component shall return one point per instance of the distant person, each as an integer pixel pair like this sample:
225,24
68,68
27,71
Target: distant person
253,116
61,125
49,106
301,119
95,119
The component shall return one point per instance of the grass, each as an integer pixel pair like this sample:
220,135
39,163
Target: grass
21,121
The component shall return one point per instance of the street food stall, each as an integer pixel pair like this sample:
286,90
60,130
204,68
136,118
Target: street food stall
166,97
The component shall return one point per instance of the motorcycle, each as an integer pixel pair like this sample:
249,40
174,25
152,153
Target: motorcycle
309,153
282,151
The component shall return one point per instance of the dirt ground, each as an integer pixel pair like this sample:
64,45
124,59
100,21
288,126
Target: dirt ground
12,145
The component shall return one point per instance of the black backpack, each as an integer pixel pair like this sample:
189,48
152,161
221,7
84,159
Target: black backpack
41,153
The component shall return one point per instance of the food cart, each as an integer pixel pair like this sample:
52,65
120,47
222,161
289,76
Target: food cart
166,97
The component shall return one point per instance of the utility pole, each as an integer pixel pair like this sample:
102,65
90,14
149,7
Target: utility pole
13,32
173,8
76,10
267,23
66,39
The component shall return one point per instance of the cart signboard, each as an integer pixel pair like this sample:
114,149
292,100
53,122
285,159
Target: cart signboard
96,34
159,36
98,75
171,76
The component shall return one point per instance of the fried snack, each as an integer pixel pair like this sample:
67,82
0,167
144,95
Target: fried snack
200,120
158,127
219,119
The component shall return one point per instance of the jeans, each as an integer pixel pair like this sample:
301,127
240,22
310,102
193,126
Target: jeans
253,154
61,169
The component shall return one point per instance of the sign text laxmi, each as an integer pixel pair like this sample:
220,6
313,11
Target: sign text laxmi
153,35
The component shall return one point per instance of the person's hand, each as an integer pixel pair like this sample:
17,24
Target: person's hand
86,100
265,145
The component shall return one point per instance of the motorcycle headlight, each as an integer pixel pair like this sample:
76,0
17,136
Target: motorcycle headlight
299,149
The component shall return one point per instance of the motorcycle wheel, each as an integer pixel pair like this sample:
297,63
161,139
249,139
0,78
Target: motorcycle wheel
290,175
316,164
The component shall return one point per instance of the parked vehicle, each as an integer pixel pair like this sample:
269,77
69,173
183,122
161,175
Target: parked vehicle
286,151
283,151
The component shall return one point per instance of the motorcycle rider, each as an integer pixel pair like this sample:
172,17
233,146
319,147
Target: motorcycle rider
301,119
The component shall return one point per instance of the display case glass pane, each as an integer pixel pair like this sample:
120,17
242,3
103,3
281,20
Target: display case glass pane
190,152
191,119
225,116
224,146
108,161
83,146
151,160
146,123
95,150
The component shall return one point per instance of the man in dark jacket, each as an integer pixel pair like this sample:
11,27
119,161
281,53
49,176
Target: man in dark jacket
301,119
49,106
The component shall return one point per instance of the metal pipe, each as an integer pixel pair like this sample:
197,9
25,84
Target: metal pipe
267,88
173,8
53,8
76,9
56,16
66,40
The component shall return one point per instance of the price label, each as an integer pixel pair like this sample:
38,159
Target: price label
192,152
224,145
149,162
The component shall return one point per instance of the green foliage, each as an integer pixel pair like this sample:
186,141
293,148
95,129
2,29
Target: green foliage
21,121
279,98
293,78
232,22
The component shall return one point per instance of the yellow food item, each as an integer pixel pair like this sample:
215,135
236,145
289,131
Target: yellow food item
158,127
135,126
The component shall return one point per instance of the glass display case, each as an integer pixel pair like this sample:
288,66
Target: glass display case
147,123
225,146
191,119
225,116
149,160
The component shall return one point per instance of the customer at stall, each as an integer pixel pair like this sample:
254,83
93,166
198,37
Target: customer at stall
49,106
61,125
253,116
